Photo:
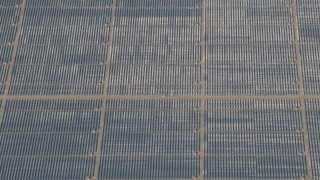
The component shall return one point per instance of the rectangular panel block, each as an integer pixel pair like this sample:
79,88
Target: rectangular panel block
252,104
308,2
252,120
251,74
69,3
155,54
10,2
149,167
309,33
312,89
5,54
238,89
156,35
154,74
249,34
251,53
50,168
56,89
9,16
47,144
57,79
57,74
310,53
7,34
253,143
150,143
151,121
67,16
313,120
309,15
139,104
64,35
247,16
315,165
163,90
157,3
311,73
314,141
61,54
3,73
50,121
248,3
45,105
312,104
2,89
158,17
255,167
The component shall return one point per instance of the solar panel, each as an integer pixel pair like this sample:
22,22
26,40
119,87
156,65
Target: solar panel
159,89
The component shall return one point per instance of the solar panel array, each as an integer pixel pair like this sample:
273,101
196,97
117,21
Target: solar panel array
159,89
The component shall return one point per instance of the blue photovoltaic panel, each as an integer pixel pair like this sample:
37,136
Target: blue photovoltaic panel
314,139
309,15
249,34
162,79
313,104
2,89
309,53
149,167
250,54
251,74
253,104
67,16
158,74
157,3
45,35
248,3
57,79
159,16
311,73
46,105
155,54
240,89
150,143
5,54
8,16
315,167
48,144
68,3
309,34
253,143
3,72
151,121
7,34
58,74
53,121
156,35
61,54
313,122
218,16
46,167
55,89
252,120
308,2
10,2
163,90
255,167
151,104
